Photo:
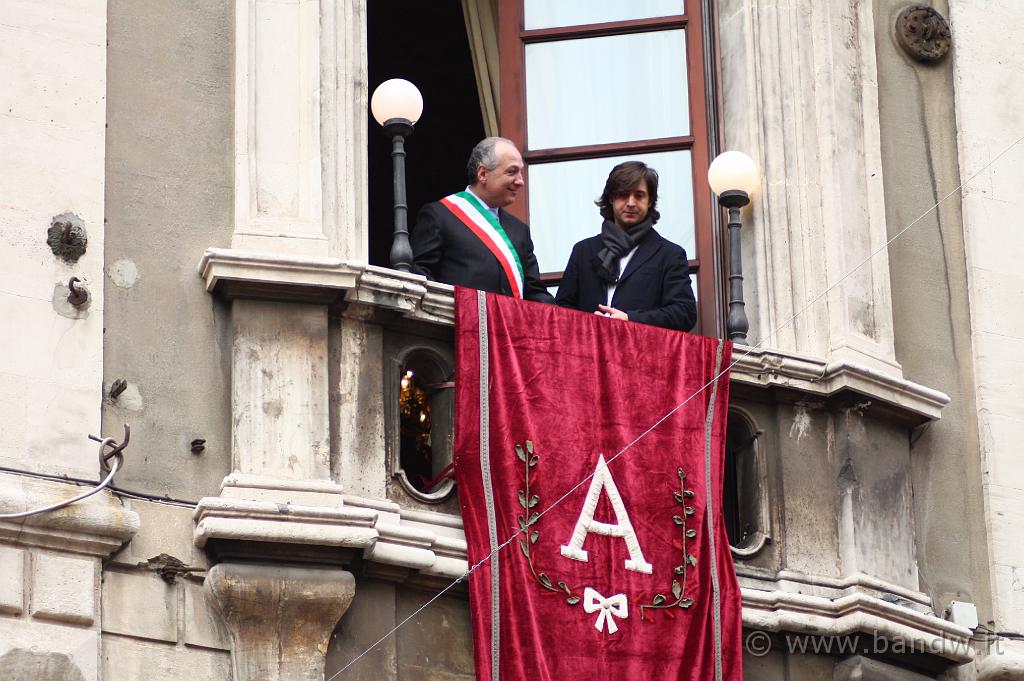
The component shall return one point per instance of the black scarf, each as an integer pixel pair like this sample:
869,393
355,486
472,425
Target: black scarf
617,242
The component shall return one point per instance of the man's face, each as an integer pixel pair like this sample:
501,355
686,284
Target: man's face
630,208
499,187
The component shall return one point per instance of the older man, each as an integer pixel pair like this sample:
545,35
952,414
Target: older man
629,271
468,238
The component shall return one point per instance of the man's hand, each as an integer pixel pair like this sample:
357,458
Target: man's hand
611,312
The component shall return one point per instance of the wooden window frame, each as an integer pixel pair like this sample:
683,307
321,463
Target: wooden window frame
512,41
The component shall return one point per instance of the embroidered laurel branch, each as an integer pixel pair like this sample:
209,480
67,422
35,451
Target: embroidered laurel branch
660,601
529,518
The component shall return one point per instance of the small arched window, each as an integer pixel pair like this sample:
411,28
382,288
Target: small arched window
422,452
745,494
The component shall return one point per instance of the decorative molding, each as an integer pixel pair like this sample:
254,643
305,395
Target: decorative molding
302,279
765,368
832,588
923,33
282,523
857,613
390,289
433,545
795,602
96,526
276,274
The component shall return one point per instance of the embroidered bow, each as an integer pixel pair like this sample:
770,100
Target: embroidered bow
607,608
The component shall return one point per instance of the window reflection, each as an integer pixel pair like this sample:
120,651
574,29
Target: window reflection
562,209
425,426
548,14
414,410
607,89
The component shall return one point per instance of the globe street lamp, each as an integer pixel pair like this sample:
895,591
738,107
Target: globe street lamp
397,105
733,176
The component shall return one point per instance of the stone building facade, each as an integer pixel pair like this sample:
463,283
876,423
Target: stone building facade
214,156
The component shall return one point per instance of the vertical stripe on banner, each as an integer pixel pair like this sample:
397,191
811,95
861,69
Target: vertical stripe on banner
485,472
709,424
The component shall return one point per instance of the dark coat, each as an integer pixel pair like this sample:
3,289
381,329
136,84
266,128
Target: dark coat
653,289
446,250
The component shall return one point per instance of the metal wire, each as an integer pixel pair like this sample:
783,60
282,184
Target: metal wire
118,460
657,423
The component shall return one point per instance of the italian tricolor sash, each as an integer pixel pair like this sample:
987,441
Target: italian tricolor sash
472,213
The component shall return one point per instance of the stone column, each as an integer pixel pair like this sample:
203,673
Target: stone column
278,184
800,96
280,618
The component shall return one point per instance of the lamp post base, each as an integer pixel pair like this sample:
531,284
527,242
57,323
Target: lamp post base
736,323
401,251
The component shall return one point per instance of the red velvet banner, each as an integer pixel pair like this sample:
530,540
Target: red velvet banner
629,576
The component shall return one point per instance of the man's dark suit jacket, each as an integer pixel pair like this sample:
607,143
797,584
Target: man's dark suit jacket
653,289
446,250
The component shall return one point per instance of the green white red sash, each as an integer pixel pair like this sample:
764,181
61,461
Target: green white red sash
472,213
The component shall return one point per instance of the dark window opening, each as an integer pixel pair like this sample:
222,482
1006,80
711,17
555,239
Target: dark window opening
743,497
425,402
426,44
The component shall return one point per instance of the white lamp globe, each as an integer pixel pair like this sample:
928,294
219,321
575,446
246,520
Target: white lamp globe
733,171
396,98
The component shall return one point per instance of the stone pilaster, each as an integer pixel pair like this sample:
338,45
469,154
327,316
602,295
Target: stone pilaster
345,103
278,182
280,618
279,390
801,97
280,489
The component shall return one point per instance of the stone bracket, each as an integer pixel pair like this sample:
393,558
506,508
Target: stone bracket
280,618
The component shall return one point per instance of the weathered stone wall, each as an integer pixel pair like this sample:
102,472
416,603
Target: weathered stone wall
52,115
157,619
436,644
168,170
932,311
989,101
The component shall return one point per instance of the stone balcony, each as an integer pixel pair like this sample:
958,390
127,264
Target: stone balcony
827,457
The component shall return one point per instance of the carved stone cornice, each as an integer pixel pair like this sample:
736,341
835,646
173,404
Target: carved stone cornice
326,280
857,615
773,368
271,276
96,526
418,546
283,523
857,605
432,544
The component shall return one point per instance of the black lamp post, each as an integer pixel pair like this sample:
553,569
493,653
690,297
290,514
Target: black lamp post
397,105
733,176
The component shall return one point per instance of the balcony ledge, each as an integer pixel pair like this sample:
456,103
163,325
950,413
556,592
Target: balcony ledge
333,281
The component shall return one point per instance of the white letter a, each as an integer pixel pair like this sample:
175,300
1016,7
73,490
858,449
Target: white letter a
602,480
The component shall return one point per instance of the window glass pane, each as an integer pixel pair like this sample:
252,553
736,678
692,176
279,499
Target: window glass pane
609,89
552,13
562,209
